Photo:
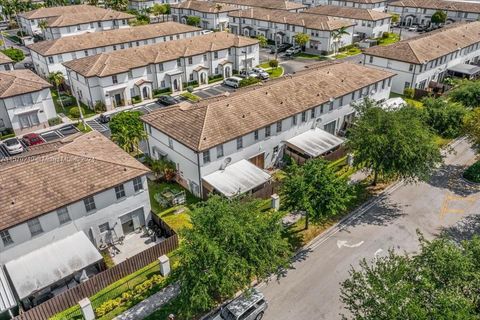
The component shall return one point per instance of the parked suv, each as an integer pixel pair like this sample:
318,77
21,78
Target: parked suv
293,50
262,74
281,47
233,82
249,306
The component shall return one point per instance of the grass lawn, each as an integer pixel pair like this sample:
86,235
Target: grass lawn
310,56
275,73
14,39
264,65
392,38
66,110
348,53
413,102
190,96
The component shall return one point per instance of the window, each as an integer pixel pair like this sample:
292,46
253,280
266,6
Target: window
179,62
50,59
122,46
137,184
410,68
267,131
220,151
255,135
99,24
160,67
89,204
294,120
63,216
239,143
91,25
204,57
29,120
279,126
206,156
304,116
215,55
170,143
79,28
407,85
330,127
6,239
190,60
312,113
35,227
120,191
23,100
191,76
114,79
340,102
104,227
130,74
371,59
330,107
353,95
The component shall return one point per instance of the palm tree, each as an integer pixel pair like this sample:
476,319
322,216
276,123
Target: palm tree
337,35
3,34
129,140
43,24
57,78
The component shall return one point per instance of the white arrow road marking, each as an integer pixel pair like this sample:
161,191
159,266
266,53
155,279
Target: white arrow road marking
343,243
378,252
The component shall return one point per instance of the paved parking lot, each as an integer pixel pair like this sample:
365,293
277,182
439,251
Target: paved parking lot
213,91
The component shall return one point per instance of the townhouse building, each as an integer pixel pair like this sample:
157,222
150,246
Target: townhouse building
428,57
115,77
6,63
369,23
60,204
48,56
378,5
25,102
266,4
281,26
213,15
226,144
420,11
145,4
70,20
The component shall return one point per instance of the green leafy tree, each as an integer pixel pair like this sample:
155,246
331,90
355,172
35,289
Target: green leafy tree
439,17
127,130
57,79
441,283
163,168
301,39
159,10
467,92
471,127
444,117
315,189
273,63
337,37
43,25
231,242
193,21
15,54
139,20
119,5
393,143
395,18
262,40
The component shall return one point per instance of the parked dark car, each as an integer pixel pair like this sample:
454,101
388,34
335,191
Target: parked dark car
281,48
103,118
167,100
29,65
32,139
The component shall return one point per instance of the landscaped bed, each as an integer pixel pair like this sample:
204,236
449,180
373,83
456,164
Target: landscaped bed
72,103
389,39
472,174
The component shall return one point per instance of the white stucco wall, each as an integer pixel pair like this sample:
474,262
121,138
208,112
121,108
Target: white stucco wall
208,20
411,15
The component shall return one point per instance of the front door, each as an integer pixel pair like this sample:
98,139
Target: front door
118,100
145,93
175,85
128,227
132,221
259,160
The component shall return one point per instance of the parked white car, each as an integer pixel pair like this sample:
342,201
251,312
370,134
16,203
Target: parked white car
245,307
262,74
233,82
13,146
414,29
293,50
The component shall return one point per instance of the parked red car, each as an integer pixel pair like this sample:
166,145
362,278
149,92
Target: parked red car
32,139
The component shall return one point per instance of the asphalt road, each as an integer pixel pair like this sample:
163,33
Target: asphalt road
311,289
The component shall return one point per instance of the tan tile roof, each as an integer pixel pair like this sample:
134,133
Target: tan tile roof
60,175
366,1
79,10
15,82
78,18
310,21
432,45
349,12
5,59
106,64
110,37
270,4
439,5
218,120
205,6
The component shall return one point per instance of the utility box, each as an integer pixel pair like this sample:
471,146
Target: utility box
87,309
275,201
164,265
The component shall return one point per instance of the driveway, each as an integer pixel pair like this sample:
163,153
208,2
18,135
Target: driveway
310,290
213,91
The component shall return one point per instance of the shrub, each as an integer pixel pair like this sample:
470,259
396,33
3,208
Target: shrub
160,91
409,93
99,106
75,113
443,116
54,121
16,55
248,81
385,35
136,99
273,63
190,89
473,173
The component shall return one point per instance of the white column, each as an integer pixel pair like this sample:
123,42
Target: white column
87,309
275,201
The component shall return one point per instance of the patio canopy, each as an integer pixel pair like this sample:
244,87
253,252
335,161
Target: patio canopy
314,142
237,178
55,261
7,301
467,69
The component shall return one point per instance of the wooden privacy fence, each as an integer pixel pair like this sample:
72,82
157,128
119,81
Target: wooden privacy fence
103,279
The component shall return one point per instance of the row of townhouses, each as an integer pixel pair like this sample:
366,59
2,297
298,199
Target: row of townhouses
213,15
266,4
421,11
281,26
378,5
49,55
60,205
145,4
115,77
225,144
429,57
71,20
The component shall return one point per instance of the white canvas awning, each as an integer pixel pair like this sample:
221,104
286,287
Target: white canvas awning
7,300
393,104
315,142
237,178
55,261
465,68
